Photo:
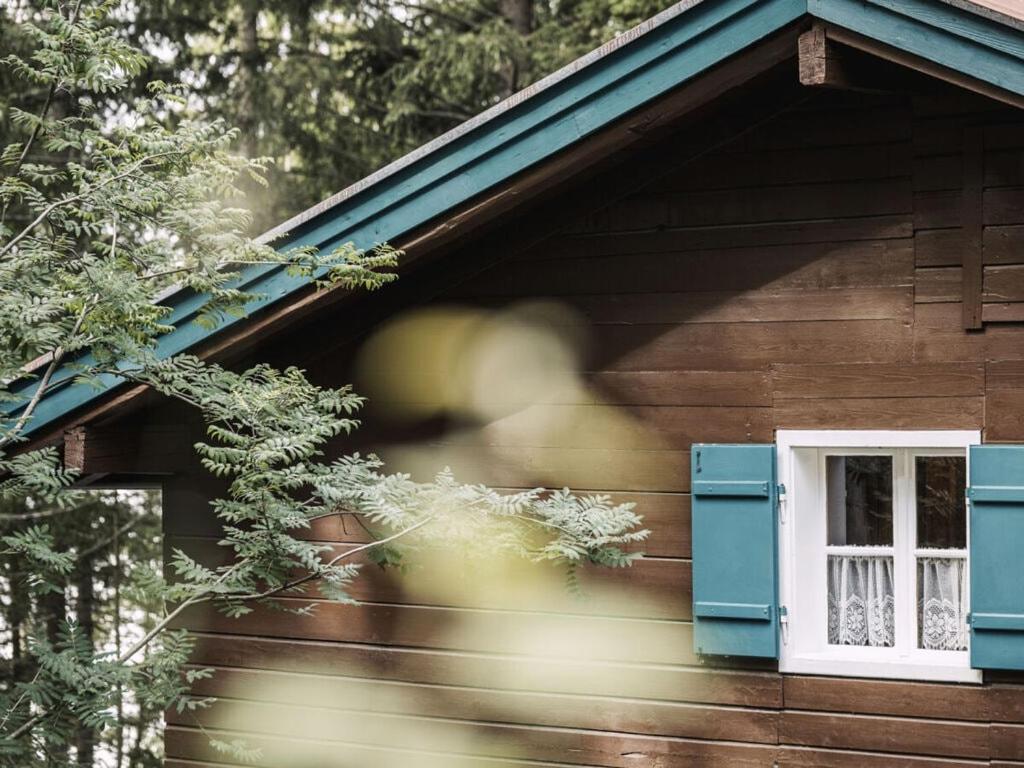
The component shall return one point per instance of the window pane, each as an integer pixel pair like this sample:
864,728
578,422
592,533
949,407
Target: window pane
860,601
941,603
859,500
941,507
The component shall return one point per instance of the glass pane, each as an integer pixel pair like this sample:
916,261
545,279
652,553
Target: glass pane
941,603
941,507
860,601
859,500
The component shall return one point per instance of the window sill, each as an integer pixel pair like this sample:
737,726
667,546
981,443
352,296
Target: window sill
938,670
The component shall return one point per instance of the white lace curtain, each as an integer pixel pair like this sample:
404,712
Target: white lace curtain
861,601
942,607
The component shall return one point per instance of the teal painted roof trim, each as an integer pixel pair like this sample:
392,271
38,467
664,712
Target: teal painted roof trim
683,43
972,45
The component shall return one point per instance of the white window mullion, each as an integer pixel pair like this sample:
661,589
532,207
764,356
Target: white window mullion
902,538
912,548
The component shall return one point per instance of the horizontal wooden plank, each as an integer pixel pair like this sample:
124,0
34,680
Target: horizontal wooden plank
880,413
1004,415
1005,312
1004,245
641,427
552,636
842,380
731,170
1007,702
515,467
519,673
939,738
948,101
411,413
1004,168
766,203
832,126
731,346
934,173
1000,284
493,739
884,263
809,757
939,336
525,708
593,749
887,697
1004,283
667,240
937,284
1008,741
944,247
649,588
398,405
936,210
289,753
767,306
681,754
1004,205
1004,374
939,247
944,135
683,387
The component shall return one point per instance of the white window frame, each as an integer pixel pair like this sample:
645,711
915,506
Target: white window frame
802,561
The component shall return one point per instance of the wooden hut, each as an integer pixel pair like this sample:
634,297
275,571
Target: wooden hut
790,235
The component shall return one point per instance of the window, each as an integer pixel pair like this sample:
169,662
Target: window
873,567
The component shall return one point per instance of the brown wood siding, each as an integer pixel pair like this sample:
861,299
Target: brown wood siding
804,276
943,190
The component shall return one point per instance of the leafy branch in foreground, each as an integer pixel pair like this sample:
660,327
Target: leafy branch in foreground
102,206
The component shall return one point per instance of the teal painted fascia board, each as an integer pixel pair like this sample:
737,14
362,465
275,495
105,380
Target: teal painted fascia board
963,42
525,135
569,110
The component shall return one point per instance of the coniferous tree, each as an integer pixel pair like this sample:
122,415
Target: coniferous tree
334,90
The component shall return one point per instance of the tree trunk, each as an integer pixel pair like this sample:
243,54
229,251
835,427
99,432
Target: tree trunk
519,15
53,613
85,740
248,76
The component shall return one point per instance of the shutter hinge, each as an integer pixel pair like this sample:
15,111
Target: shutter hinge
784,624
780,497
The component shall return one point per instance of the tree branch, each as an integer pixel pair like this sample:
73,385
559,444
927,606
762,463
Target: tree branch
137,166
334,561
58,357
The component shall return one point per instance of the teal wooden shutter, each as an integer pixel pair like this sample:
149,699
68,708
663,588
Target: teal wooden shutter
996,494
735,550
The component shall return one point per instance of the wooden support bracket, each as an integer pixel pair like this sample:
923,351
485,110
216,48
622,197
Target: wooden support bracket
821,64
96,452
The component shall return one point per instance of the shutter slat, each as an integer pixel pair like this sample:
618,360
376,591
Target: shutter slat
996,494
726,488
734,611
735,571
1006,494
998,621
